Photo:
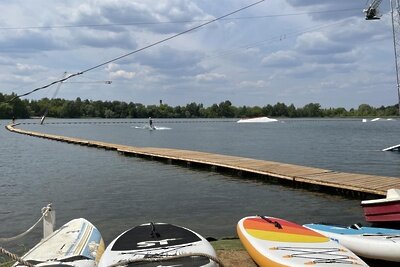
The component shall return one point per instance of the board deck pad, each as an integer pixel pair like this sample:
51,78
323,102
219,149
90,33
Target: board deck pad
159,244
144,236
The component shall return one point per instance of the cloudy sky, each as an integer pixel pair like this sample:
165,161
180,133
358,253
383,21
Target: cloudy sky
291,51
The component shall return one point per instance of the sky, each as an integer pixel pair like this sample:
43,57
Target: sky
288,51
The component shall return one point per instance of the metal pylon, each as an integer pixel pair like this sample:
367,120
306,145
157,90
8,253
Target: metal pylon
395,8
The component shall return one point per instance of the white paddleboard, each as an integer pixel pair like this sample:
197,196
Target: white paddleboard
368,242
77,243
159,244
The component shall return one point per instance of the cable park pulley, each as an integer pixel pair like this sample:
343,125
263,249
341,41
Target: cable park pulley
372,11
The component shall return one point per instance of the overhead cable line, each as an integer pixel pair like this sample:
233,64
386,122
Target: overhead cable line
105,82
274,39
135,51
171,22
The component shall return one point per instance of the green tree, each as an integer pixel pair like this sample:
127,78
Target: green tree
6,111
69,110
312,110
193,110
108,113
280,109
225,109
268,110
212,112
61,108
291,111
365,110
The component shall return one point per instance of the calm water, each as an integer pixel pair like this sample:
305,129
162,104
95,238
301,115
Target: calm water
116,192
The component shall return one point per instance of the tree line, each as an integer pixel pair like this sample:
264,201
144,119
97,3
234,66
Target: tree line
61,108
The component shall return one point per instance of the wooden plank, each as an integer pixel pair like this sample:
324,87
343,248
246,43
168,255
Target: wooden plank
389,185
337,178
379,182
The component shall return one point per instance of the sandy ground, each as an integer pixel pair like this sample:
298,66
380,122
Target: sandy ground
235,258
231,253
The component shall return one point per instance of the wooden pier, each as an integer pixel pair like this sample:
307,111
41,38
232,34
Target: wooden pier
353,184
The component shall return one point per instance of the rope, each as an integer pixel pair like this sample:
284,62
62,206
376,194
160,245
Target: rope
15,257
167,258
45,210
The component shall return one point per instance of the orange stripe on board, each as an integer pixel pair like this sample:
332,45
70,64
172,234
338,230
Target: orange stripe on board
287,227
259,258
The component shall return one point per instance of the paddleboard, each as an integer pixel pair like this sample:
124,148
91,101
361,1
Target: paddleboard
368,242
275,242
159,244
77,243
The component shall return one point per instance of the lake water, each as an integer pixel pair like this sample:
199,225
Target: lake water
115,192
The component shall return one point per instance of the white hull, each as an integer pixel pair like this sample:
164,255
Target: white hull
383,244
257,120
77,243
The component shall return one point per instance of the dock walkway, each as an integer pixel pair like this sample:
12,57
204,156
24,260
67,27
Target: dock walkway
341,182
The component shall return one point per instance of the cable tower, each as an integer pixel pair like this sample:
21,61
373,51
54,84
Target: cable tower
372,13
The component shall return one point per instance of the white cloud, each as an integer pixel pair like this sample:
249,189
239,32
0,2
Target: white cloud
288,51
210,77
319,43
159,17
253,84
122,74
28,69
281,59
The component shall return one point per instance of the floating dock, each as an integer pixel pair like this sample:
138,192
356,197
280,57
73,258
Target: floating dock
356,185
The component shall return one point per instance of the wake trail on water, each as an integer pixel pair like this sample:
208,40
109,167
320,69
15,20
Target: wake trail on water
147,127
